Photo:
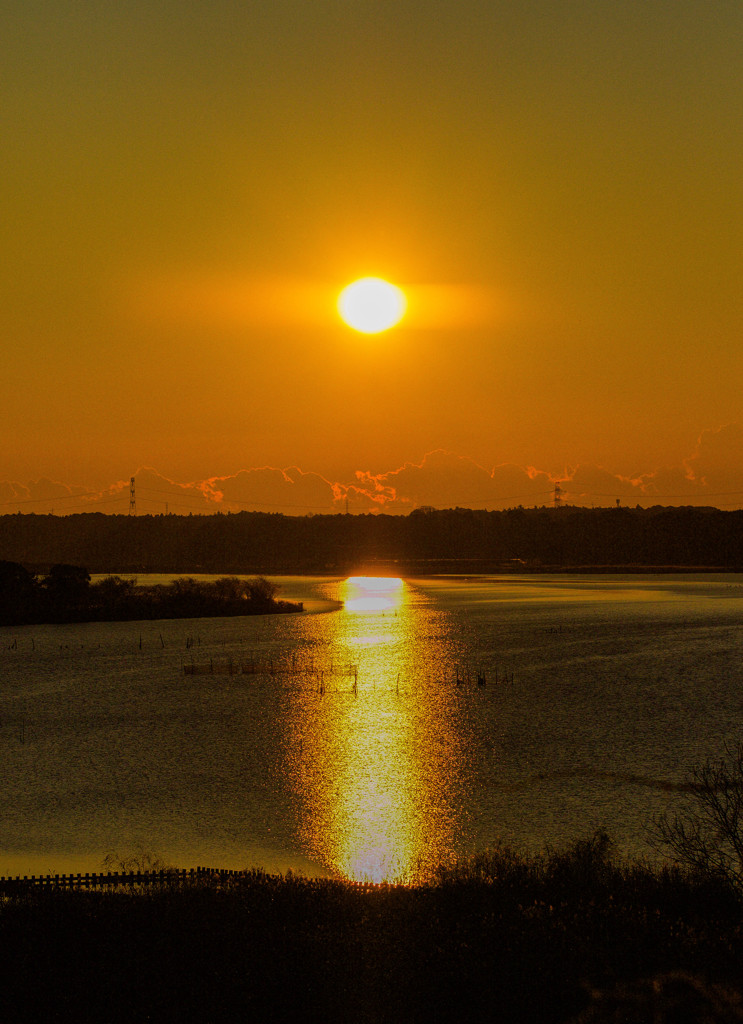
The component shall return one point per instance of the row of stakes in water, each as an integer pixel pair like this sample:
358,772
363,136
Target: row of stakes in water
268,667
322,676
466,678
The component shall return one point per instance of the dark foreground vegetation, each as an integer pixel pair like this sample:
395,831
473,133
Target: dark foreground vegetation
66,594
451,540
575,936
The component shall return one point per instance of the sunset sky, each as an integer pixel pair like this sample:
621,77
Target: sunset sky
187,186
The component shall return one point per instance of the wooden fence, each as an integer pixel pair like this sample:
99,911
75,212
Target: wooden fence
116,879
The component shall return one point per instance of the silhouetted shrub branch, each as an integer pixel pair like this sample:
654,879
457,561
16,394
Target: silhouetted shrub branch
707,834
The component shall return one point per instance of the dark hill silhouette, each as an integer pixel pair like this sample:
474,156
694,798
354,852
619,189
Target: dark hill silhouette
453,540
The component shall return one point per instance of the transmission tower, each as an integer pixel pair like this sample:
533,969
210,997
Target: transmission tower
557,498
132,499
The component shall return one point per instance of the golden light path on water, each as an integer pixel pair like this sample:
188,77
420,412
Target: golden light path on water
373,754
374,809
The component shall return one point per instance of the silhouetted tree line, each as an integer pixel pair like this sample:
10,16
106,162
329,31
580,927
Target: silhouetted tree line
424,541
66,594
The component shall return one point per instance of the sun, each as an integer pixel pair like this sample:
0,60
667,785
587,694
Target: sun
371,305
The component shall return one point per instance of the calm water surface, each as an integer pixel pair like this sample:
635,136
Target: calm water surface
354,739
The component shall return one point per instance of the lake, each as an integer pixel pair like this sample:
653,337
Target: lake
393,725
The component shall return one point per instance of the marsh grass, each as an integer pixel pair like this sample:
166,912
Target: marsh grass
503,936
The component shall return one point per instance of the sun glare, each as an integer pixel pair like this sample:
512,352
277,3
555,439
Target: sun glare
371,305
372,593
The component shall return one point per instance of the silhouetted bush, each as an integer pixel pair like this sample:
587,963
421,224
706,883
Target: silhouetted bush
19,593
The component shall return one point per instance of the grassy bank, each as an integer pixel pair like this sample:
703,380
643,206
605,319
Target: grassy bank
503,937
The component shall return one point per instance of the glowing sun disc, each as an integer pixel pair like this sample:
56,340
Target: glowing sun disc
371,305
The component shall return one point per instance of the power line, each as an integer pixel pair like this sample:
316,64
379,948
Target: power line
208,505
55,499
604,494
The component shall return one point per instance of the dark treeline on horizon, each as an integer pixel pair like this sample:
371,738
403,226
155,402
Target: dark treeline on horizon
424,541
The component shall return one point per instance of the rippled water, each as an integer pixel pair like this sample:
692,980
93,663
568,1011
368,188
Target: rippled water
354,739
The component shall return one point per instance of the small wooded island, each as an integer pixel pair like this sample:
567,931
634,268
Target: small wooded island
66,594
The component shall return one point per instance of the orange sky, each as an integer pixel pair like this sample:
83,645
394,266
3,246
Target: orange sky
187,186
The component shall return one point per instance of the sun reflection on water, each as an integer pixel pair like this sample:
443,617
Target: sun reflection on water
375,749
372,593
